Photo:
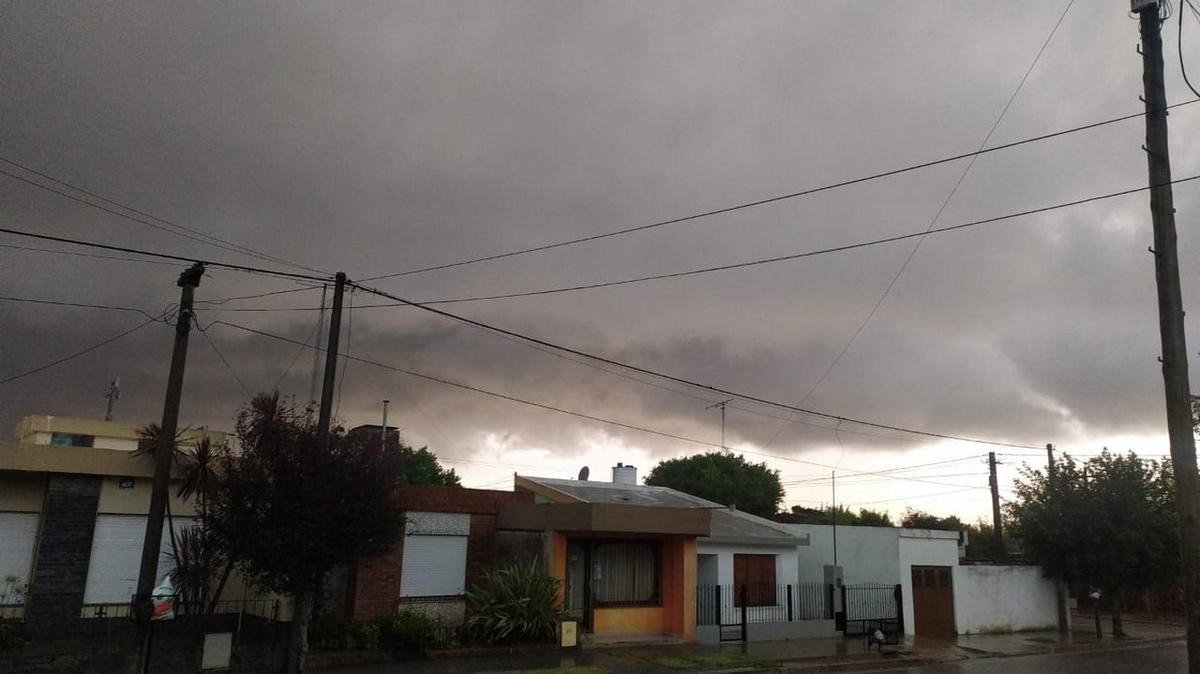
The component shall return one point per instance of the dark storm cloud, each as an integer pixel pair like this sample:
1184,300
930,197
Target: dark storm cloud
377,137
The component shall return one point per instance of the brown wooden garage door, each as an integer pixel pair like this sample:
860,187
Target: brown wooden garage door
933,601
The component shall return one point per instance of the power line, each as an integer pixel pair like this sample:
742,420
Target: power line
687,382
165,256
933,221
228,367
475,389
80,305
78,254
911,498
768,200
82,352
1182,65
810,253
150,220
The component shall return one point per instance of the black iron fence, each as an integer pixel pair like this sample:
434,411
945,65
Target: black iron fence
272,609
760,603
865,604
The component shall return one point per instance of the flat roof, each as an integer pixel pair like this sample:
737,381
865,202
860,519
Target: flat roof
584,491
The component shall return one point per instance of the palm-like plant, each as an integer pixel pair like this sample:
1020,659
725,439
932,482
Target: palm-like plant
514,604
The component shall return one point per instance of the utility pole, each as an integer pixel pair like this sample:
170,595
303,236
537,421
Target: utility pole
305,598
997,531
833,488
1060,587
163,454
1170,319
721,405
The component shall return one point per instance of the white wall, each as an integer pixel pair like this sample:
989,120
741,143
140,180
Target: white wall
922,547
785,571
990,599
866,554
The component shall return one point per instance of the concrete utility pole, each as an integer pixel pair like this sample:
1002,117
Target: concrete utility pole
1060,587
383,434
163,454
305,598
997,531
1170,319
833,509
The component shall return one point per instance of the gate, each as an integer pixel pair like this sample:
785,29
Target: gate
715,605
933,602
872,604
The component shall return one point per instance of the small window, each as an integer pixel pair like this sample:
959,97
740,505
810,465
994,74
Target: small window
625,572
756,573
72,440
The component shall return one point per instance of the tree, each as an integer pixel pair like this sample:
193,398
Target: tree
420,466
290,507
874,518
723,478
919,519
845,517
1109,523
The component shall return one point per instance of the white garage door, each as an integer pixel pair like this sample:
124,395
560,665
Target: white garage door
18,531
117,555
434,566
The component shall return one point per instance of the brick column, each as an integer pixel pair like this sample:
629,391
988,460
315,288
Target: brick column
64,548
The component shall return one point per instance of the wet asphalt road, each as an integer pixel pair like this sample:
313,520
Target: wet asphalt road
1158,659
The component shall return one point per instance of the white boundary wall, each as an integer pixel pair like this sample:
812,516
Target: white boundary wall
999,598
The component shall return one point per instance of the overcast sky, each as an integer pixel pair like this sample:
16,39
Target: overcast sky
380,137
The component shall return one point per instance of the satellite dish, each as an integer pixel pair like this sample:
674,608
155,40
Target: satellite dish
583,473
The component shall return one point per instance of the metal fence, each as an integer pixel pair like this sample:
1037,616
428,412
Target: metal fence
870,603
760,603
262,608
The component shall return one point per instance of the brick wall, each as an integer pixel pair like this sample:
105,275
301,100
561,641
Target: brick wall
65,546
375,583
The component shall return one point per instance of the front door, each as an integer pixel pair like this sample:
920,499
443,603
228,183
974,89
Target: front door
578,585
933,602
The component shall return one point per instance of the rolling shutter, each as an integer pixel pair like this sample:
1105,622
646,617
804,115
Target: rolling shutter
117,555
18,531
435,554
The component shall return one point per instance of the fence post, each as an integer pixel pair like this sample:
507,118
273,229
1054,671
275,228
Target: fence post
743,596
900,609
717,603
829,601
789,603
841,616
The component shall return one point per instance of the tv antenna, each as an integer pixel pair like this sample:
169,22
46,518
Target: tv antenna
721,405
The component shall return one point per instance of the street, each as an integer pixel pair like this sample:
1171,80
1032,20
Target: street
1156,658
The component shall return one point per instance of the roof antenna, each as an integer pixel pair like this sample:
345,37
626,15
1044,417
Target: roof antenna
112,394
583,474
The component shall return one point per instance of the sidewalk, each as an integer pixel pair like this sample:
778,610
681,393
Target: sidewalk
807,655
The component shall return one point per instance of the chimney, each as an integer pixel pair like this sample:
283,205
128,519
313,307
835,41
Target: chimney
622,474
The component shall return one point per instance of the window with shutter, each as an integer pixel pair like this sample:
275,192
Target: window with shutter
756,573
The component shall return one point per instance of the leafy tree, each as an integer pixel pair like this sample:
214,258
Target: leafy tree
724,478
874,518
290,507
420,466
1108,523
919,519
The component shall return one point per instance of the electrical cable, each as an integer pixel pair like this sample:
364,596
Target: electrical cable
151,219
78,254
228,367
797,256
932,222
475,389
680,380
907,498
87,350
81,305
1179,42
770,200
165,256
314,337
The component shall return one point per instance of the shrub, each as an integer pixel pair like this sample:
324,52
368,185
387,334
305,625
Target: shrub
329,633
365,635
514,604
412,631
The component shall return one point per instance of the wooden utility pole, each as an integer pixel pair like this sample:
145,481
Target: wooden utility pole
1170,319
143,604
298,645
997,531
1060,587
